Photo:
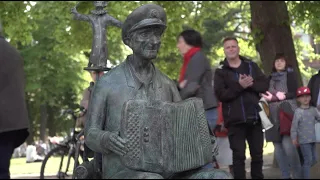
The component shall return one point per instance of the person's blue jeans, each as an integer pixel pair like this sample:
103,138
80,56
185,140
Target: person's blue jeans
310,158
287,156
212,117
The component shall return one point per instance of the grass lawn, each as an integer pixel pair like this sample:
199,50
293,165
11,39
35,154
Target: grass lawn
19,166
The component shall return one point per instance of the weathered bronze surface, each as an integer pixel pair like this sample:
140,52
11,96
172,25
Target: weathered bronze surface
99,20
136,118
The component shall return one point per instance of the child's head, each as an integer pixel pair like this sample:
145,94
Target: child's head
303,95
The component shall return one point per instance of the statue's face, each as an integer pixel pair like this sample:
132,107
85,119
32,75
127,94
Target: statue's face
100,4
146,42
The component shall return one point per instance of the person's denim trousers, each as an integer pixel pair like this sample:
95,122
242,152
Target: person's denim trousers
212,117
287,156
310,158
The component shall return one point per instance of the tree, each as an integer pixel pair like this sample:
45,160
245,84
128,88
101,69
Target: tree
305,14
271,29
54,45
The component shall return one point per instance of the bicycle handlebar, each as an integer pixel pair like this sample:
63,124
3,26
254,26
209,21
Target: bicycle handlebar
80,134
71,112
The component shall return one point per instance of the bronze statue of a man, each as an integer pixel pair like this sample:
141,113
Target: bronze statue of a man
135,79
99,20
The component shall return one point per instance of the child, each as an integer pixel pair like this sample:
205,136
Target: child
303,130
224,157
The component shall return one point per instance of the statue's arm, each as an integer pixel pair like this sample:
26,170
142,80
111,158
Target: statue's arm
115,22
96,118
175,93
78,16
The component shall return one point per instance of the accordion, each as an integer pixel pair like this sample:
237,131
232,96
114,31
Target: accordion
165,137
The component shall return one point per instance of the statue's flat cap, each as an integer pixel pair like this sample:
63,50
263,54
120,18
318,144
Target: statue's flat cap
144,16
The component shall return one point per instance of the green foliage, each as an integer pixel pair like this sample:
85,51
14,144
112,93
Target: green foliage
306,15
305,19
53,45
305,51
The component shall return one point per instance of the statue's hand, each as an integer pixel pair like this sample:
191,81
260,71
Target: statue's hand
116,144
74,10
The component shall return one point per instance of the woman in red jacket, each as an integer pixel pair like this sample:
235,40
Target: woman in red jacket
224,157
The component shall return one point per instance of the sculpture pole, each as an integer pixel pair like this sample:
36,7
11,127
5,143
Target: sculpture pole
99,20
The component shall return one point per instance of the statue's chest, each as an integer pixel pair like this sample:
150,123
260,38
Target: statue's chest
121,94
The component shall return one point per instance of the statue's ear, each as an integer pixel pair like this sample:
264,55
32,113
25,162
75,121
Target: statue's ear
127,41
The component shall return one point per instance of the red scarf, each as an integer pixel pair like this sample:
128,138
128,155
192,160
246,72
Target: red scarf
186,60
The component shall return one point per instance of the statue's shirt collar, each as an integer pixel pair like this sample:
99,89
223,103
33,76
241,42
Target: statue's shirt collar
134,81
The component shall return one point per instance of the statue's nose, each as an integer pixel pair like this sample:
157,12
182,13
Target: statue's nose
155,40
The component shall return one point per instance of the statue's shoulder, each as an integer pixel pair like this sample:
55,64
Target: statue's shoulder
164,78
114,75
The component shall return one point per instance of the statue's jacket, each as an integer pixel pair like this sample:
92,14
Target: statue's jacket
109,94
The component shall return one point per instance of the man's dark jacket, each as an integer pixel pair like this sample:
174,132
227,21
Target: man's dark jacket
13,113
199,81
314,85
238,102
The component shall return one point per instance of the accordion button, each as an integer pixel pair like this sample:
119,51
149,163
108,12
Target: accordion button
146,129
146,134
146,139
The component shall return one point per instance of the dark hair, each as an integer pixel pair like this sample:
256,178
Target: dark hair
280,56
192,37
229,38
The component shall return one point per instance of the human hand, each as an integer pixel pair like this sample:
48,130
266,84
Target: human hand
267,95
81,138
281,95
245,81
183,84
248,77
295,142
318,107
115,143
223,129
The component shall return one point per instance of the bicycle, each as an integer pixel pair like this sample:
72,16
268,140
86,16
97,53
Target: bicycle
66,148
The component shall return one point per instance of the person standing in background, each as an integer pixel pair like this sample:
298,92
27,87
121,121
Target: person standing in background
238,82
14,122
196,80
196,76
224,157
303,130
281,94
314,86
86,98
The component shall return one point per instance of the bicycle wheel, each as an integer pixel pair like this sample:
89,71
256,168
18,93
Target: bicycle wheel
55,165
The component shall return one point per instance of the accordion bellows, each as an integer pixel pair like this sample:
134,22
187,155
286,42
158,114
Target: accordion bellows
165,137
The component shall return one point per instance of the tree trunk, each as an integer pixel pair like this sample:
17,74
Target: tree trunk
43,121
270,26
51,125
29,140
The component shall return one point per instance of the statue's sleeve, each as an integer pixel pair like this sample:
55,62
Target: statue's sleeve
96,118
115,22
82,17
175,93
